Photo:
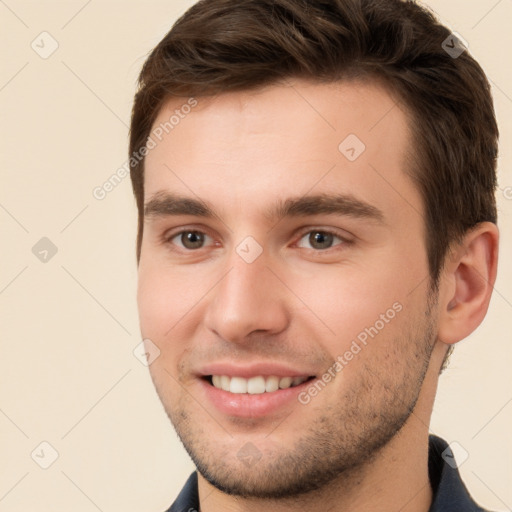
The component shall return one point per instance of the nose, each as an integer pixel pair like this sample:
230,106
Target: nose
249,298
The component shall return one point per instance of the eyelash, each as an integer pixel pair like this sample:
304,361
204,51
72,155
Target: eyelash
343,240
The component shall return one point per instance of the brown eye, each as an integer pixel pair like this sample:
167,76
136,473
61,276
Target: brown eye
192,239
189,240
324,240
320,240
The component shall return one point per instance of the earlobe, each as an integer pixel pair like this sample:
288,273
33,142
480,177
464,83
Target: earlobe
467,283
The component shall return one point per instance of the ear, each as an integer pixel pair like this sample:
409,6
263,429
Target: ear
467,283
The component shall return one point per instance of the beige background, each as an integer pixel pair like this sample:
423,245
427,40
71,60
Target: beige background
69,326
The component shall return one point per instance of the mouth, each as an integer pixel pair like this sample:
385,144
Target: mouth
253,396
260,389
256,385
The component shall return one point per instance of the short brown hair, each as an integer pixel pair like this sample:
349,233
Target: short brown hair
226,45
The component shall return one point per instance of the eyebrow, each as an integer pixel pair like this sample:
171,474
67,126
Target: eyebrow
164,204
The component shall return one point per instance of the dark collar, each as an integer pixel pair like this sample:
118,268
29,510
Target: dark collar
450,493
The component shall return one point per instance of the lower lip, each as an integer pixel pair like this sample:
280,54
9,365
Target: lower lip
245,405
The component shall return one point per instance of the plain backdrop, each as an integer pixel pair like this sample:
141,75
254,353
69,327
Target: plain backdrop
69,377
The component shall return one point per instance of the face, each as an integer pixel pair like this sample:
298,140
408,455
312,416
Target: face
284,279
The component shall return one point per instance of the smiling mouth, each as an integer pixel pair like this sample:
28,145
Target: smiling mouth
255,385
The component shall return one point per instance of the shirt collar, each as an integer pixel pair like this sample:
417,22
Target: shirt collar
450,493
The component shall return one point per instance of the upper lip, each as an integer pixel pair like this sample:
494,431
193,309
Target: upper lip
252,370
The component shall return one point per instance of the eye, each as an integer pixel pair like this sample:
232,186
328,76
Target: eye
189,239
321,239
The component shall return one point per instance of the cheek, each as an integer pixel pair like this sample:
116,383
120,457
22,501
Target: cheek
165,304
153,302
363,307
159,299
166,295
343,301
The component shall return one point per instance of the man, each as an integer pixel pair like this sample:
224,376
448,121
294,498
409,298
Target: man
317,228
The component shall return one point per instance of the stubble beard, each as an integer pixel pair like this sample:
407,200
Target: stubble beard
338,445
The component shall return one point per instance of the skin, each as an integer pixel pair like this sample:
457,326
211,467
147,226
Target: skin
362,442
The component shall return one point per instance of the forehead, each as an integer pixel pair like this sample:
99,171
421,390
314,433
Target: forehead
250,147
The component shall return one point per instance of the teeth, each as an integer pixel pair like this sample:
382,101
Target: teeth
285,382
255,385
271,384
298,380
224,383
238,385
